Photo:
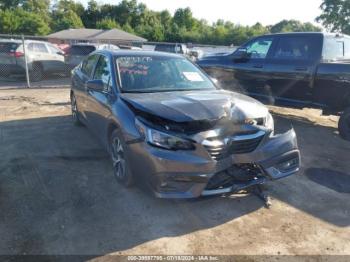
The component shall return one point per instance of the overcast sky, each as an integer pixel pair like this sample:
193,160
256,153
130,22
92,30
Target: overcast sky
245,12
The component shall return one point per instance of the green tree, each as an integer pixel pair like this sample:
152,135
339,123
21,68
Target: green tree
107,23
335,15
9,4
66,5
9,22
183,17
91,14
38,7
127,28
19,21
33,24
65,20
293,26
39,17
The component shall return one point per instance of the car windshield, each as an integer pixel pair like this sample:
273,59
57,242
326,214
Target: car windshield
159,74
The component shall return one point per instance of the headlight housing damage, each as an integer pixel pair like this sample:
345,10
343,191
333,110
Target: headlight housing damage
161,139
266,121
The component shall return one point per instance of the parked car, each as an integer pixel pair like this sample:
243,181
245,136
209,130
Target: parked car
296,69
42,58
172,48
77,52
165,123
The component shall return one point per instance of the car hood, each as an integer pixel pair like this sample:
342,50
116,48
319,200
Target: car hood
186,106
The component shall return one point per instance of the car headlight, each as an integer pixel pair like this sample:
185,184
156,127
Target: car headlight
163,140
269,122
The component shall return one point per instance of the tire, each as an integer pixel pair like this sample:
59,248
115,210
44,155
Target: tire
344,125
37,72
75,111
119,159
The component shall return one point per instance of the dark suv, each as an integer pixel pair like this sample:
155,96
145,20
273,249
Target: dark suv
165,123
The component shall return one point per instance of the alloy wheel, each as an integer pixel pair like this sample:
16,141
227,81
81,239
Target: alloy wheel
118,159
74,109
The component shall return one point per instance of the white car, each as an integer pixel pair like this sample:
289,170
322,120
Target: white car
42,58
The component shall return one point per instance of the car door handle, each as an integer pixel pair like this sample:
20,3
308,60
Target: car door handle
258,66
301,69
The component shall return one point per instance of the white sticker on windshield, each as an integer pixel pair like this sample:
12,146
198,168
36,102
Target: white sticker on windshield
193,76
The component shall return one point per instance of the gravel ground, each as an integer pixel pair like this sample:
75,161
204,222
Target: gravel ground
58,194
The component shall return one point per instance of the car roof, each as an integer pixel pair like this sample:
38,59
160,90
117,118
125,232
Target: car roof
308,33
298,33
128,52
18,41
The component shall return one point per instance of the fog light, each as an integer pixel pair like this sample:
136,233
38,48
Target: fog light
288,165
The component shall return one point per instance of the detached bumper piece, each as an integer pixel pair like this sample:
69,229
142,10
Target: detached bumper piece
282,166
240,177
234,180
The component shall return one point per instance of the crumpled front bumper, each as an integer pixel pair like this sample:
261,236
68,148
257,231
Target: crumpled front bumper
186,174
278,158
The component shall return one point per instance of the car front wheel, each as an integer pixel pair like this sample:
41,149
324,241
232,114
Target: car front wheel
75,111
119,159
344,125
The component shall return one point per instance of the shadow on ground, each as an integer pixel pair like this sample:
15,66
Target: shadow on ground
48,81
60,197
332,179
317,189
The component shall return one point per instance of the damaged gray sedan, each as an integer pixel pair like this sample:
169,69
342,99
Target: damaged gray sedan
167,125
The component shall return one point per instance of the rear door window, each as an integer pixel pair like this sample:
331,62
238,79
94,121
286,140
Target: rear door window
40,48
297,48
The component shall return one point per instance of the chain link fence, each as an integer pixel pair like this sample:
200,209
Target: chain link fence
29,61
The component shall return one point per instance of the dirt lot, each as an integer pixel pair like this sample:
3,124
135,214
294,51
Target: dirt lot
58,194
49,81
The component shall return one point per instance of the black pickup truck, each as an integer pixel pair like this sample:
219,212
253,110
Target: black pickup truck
293,69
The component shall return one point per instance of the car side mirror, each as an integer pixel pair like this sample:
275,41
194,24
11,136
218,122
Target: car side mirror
60,53
241,55
95,85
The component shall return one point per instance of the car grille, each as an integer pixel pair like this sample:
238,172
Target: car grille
235,175
238,145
